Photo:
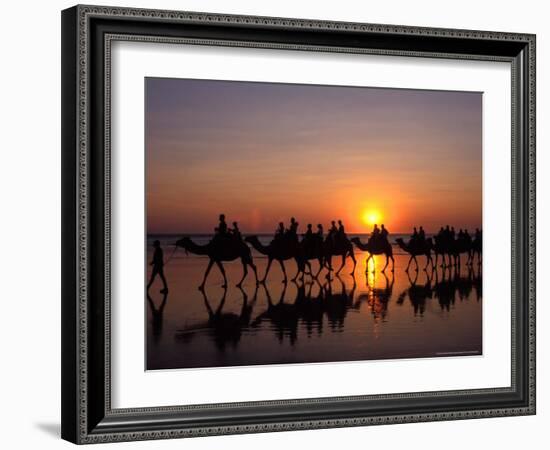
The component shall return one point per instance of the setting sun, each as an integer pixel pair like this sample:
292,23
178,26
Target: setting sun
371,216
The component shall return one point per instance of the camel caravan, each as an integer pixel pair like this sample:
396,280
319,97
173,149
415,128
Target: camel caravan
228,245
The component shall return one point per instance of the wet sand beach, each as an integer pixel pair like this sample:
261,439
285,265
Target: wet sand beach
365,317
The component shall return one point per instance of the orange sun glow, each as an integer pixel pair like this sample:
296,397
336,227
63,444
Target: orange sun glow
371,217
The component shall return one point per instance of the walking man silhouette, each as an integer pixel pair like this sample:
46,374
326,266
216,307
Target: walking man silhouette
158,267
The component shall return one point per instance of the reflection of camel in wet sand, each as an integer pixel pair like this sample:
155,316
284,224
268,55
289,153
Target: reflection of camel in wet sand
381,248
285,317
336,304
417,249
377,298
225,327
219,250
418,294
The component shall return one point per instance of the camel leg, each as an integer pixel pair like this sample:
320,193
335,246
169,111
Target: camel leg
416,263
297,271
342,265
245,273
408,264
428,261
392,263
320,268
251,264
207,271
352,256
308,264
269,262
284,270
328,265
310,271
222,270
387,262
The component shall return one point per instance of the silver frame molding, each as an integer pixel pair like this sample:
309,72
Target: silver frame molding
88,33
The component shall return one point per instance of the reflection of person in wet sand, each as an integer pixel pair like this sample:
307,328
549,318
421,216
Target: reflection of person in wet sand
157,313
158,267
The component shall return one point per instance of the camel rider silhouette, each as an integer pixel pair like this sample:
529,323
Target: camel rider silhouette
236,232
478,235
341,231
293,229
467,237
280,231
332,232
222,227
158,267
414,237
383,234
421,235
448,237
308,237
320,233
375,235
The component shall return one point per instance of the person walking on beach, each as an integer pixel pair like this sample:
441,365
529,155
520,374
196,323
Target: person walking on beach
158,267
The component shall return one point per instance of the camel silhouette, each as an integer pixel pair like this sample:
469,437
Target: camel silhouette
220,250
417,249
454,248
440,247
278,250
338,247
383,247
475,249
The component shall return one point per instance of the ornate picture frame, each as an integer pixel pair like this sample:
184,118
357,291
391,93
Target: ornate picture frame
87,35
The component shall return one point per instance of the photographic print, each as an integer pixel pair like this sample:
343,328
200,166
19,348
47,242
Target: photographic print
293,223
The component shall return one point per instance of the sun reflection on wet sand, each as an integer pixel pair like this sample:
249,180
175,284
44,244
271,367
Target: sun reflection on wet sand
372,315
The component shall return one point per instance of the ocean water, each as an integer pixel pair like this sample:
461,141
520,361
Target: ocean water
366,316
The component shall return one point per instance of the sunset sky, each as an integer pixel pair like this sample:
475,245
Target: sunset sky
263,152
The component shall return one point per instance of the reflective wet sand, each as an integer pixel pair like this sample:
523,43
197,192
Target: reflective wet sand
369,316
